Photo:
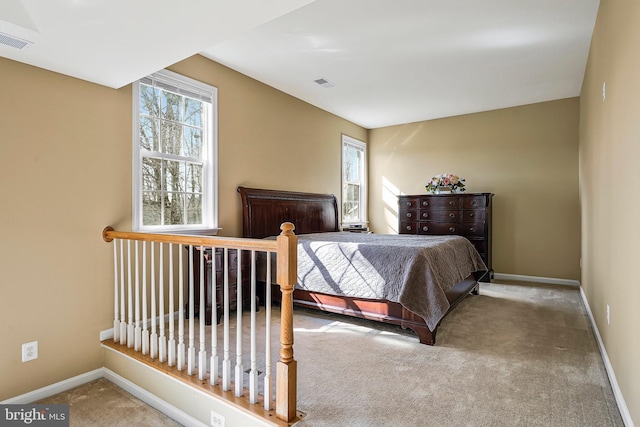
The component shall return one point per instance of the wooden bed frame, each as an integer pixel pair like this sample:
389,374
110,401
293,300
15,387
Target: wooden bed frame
264,210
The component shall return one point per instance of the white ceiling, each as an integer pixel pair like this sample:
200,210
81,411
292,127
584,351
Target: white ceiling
391,62
116,42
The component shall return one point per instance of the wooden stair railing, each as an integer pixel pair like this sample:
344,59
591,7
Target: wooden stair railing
285,248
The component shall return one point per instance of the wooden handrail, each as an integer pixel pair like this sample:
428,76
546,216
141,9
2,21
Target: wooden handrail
108,234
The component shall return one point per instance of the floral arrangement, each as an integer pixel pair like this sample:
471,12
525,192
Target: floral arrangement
445,180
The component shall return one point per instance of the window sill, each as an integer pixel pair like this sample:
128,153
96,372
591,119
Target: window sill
185,232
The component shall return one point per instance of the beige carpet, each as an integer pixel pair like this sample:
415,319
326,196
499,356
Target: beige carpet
515,355
101,403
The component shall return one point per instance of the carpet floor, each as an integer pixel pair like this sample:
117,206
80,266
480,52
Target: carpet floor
101,403
515,355
518,354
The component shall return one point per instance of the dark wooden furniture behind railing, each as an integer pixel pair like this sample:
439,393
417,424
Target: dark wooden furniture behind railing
233,281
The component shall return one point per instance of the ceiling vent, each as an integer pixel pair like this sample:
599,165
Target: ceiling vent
324,83
11,41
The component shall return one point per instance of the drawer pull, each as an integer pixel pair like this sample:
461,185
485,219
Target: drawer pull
425,214
408,228
452,203
425,228
452,215
474,202
452,229
409,204
472,229
472,214
425,203
409,214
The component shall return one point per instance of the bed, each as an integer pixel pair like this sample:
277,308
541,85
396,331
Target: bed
405,280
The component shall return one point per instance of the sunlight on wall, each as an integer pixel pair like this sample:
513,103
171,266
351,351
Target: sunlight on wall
390,195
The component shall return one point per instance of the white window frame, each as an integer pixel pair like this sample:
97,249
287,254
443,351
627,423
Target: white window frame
187,87
348,141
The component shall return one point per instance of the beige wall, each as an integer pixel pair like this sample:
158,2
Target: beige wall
609,179
65,173
527,156
268,139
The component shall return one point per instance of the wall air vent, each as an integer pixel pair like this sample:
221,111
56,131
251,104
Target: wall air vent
324,83
12,41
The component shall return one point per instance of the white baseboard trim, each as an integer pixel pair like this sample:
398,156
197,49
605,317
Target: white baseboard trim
148,398
59,387
108,333
152,400
622,405
549,280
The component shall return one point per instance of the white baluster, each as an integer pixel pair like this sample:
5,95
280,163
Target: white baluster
267,339
153,339
162,339
137,330
145,329
191,351
116,303
253,373
181,312
202,354
226,361
239,367
171,351
213,362
123,323
130,328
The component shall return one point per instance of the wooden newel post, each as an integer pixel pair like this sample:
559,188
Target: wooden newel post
286,369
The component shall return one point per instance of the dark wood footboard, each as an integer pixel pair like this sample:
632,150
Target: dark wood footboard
379,310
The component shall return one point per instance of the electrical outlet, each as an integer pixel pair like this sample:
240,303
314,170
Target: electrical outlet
217,420
30,351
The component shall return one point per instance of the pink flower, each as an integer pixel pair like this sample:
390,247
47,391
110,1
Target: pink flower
446,179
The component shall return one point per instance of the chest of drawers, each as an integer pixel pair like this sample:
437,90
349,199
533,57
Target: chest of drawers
467,215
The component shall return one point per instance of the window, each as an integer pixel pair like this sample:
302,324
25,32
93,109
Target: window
174,154
354,181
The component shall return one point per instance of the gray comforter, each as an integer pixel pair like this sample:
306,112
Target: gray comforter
415,271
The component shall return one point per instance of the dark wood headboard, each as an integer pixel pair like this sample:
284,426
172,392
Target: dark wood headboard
264,210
